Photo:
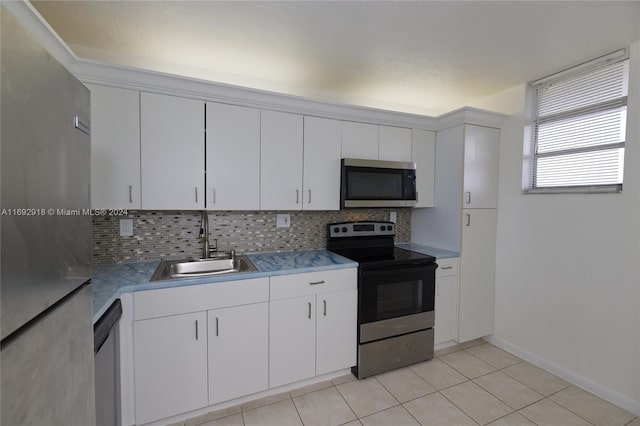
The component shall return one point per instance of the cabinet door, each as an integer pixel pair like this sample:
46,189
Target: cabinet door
359,140
446,309
172,151
395,144
281,161
321,178
233,157
336,338
477,273
238,351
115,148
481,154
292,340
423,153
170,355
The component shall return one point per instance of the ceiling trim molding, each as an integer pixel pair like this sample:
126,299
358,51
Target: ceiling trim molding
470,115
100,73
34,23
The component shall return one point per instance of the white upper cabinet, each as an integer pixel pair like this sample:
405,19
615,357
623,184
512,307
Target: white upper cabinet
359,140
281,161
321,179
115,148
423,153
172,152
481,154
233,157
395,144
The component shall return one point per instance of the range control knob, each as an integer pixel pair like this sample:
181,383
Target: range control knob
390,228
383,228
344,229
336,230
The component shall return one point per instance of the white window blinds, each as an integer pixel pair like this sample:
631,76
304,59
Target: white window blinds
579,127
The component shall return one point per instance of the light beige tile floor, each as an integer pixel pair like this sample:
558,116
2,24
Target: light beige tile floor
472,384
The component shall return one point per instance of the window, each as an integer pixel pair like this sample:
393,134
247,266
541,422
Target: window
575,140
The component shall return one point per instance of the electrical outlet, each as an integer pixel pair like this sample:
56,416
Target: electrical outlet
283,220
392,217
126,227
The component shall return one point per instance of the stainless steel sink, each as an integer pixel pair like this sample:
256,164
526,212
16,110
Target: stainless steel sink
193,268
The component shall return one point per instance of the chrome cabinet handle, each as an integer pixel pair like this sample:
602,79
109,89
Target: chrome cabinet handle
195,188
316,282
130,194
468,220
196,329
324,302
447,267
437,289
417,193
309,315
297,196
217,328
309,202
467,197
214,195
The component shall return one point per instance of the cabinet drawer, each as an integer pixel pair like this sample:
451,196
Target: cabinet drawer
286,286
183,299
447,267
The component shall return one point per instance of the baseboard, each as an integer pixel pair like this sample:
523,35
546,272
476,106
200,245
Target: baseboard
581,382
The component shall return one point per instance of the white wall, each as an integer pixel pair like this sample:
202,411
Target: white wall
567,273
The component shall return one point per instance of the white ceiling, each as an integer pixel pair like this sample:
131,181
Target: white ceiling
421,57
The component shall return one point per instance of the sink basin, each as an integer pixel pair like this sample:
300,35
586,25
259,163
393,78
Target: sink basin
193,268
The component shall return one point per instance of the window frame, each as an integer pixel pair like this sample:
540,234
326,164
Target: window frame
530,154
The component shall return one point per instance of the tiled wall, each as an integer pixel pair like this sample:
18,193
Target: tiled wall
175,233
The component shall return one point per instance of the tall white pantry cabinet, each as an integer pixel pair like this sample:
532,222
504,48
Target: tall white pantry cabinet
464,219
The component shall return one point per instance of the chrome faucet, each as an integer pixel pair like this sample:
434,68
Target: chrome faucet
204,234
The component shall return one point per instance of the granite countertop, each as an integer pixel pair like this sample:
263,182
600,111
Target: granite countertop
438,253
110,281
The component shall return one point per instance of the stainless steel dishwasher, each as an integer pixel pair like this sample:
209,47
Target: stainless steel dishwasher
107,368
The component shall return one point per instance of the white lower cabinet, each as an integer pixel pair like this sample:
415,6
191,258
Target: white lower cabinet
312,325
292,345
196,346
446,301
238,351
170,356
336,332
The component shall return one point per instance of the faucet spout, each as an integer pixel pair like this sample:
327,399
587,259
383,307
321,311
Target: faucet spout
204,234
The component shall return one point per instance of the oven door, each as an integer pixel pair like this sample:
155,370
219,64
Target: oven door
395,300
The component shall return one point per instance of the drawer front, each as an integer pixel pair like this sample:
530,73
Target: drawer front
183,299
286,286
447,267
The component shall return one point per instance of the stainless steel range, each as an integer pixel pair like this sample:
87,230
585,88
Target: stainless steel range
396,291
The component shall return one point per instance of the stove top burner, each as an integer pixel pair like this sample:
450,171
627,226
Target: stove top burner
371,244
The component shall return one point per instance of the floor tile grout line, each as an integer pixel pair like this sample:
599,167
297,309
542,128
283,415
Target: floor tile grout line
296,408
459,408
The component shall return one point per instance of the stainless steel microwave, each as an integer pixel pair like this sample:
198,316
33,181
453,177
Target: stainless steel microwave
376,183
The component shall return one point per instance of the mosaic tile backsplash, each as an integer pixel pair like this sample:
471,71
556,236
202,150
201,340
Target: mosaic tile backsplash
159,234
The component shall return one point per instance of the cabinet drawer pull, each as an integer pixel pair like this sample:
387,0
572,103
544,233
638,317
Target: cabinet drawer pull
417,196
309,315
196,192
467,196
309,202
196,329
214,195
130,194
316,282
297,196
447,267
217,329
468,216
324,302
437,289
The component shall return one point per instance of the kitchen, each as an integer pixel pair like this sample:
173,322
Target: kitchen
540,313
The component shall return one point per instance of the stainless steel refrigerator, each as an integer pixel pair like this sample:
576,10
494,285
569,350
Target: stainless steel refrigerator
47,375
